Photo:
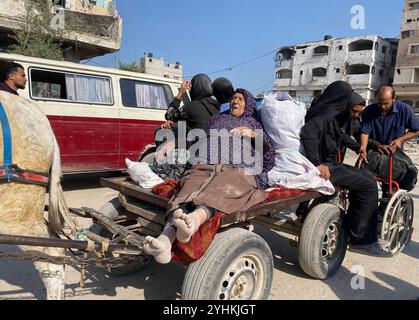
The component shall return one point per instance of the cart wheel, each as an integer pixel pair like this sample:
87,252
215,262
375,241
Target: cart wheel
237,266
323,242
112,210
397,224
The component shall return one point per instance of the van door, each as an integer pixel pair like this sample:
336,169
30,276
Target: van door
144,105
83,117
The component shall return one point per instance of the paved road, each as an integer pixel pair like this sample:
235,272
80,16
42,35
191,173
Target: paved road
396,278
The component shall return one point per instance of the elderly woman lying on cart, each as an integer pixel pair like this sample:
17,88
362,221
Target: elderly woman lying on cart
224,184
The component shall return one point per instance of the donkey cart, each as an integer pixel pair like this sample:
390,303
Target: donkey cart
239,263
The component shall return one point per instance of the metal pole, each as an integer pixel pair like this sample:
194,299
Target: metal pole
390,165
58,243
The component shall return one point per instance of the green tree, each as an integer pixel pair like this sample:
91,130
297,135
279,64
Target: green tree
133,67
36,37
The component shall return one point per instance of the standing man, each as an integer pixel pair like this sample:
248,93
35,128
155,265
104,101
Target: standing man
14,78
389,123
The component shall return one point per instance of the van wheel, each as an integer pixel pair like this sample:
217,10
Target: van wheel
323,242
237,266
113,210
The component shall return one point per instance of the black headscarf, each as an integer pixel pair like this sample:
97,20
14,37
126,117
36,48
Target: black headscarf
356,99
333,102
201,87
223,90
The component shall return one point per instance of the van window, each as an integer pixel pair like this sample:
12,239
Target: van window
141,94
73,87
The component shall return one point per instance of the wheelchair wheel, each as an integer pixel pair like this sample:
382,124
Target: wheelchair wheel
397,224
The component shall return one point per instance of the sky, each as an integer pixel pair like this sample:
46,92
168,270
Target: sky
209,36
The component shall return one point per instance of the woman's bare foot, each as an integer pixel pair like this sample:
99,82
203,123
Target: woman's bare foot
160,249
188,224
185,227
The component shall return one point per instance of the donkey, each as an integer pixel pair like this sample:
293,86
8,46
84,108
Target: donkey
35,150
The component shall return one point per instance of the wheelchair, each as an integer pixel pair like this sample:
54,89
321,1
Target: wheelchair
395,222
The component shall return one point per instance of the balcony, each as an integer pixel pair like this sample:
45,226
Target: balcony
96,27
285,64
361,45
283,83
321,51
358,79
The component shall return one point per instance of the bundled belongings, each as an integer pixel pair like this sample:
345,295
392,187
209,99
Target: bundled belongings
173,166
141,173
405,172
282,121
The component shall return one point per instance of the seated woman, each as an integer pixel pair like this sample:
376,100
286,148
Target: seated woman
322,139
227,182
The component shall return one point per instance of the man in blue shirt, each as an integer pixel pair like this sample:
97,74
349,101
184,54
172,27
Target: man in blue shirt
390,123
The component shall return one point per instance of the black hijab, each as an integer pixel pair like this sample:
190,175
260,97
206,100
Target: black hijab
333,102
356,99
223,90
201,87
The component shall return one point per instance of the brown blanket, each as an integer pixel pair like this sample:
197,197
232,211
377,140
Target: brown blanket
220,187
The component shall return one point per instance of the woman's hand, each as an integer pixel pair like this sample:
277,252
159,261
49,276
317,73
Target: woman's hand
186,85
167,125
324,172
361,160
244,132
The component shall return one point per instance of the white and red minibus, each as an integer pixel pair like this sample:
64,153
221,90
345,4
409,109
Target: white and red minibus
100,116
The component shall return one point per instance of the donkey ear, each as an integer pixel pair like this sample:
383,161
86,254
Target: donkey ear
128,162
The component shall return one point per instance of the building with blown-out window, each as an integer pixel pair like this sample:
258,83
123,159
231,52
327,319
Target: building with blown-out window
406,78
366,63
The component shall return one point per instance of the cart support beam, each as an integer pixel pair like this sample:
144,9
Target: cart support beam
66,244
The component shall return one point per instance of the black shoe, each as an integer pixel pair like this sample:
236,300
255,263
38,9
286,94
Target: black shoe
376,249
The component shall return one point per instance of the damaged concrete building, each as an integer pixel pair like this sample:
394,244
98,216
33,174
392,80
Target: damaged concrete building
406,79
365,62
94,26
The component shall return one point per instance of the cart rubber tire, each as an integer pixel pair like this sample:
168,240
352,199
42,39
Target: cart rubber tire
112,210
318,236
235,258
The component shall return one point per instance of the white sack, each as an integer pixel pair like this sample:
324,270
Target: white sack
292,170
141,173
282,122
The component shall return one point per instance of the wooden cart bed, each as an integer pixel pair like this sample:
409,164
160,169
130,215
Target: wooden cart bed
152,208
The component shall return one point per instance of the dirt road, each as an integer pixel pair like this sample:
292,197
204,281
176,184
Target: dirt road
396,278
